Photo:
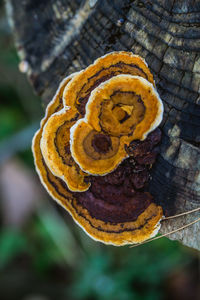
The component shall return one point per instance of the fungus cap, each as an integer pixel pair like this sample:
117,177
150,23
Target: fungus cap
122,109
55,149
95,152
112,64
114,209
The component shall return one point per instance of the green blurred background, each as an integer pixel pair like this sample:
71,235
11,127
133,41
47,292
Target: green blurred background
43,253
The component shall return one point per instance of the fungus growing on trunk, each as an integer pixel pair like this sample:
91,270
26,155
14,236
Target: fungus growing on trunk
78,91
55,149
118,111
112,137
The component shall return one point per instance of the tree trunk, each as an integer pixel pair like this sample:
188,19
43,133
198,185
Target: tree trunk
57,38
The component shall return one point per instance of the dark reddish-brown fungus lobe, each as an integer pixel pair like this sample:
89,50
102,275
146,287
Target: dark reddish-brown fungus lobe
101,143
147,159
121,196
138,148
115,213
139,179
145,152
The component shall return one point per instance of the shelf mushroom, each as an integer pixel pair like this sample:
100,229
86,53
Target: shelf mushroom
55,134
113,206
77,92
122,109
55,149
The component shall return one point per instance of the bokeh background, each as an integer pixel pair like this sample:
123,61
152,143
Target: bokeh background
43,253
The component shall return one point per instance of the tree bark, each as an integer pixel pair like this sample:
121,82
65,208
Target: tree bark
57,38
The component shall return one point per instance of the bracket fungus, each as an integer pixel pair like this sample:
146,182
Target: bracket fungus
122,109
55,147
78,91
96,146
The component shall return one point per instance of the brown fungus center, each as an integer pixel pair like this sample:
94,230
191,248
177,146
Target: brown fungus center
101,143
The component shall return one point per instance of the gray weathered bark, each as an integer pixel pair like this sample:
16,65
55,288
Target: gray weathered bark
57,38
